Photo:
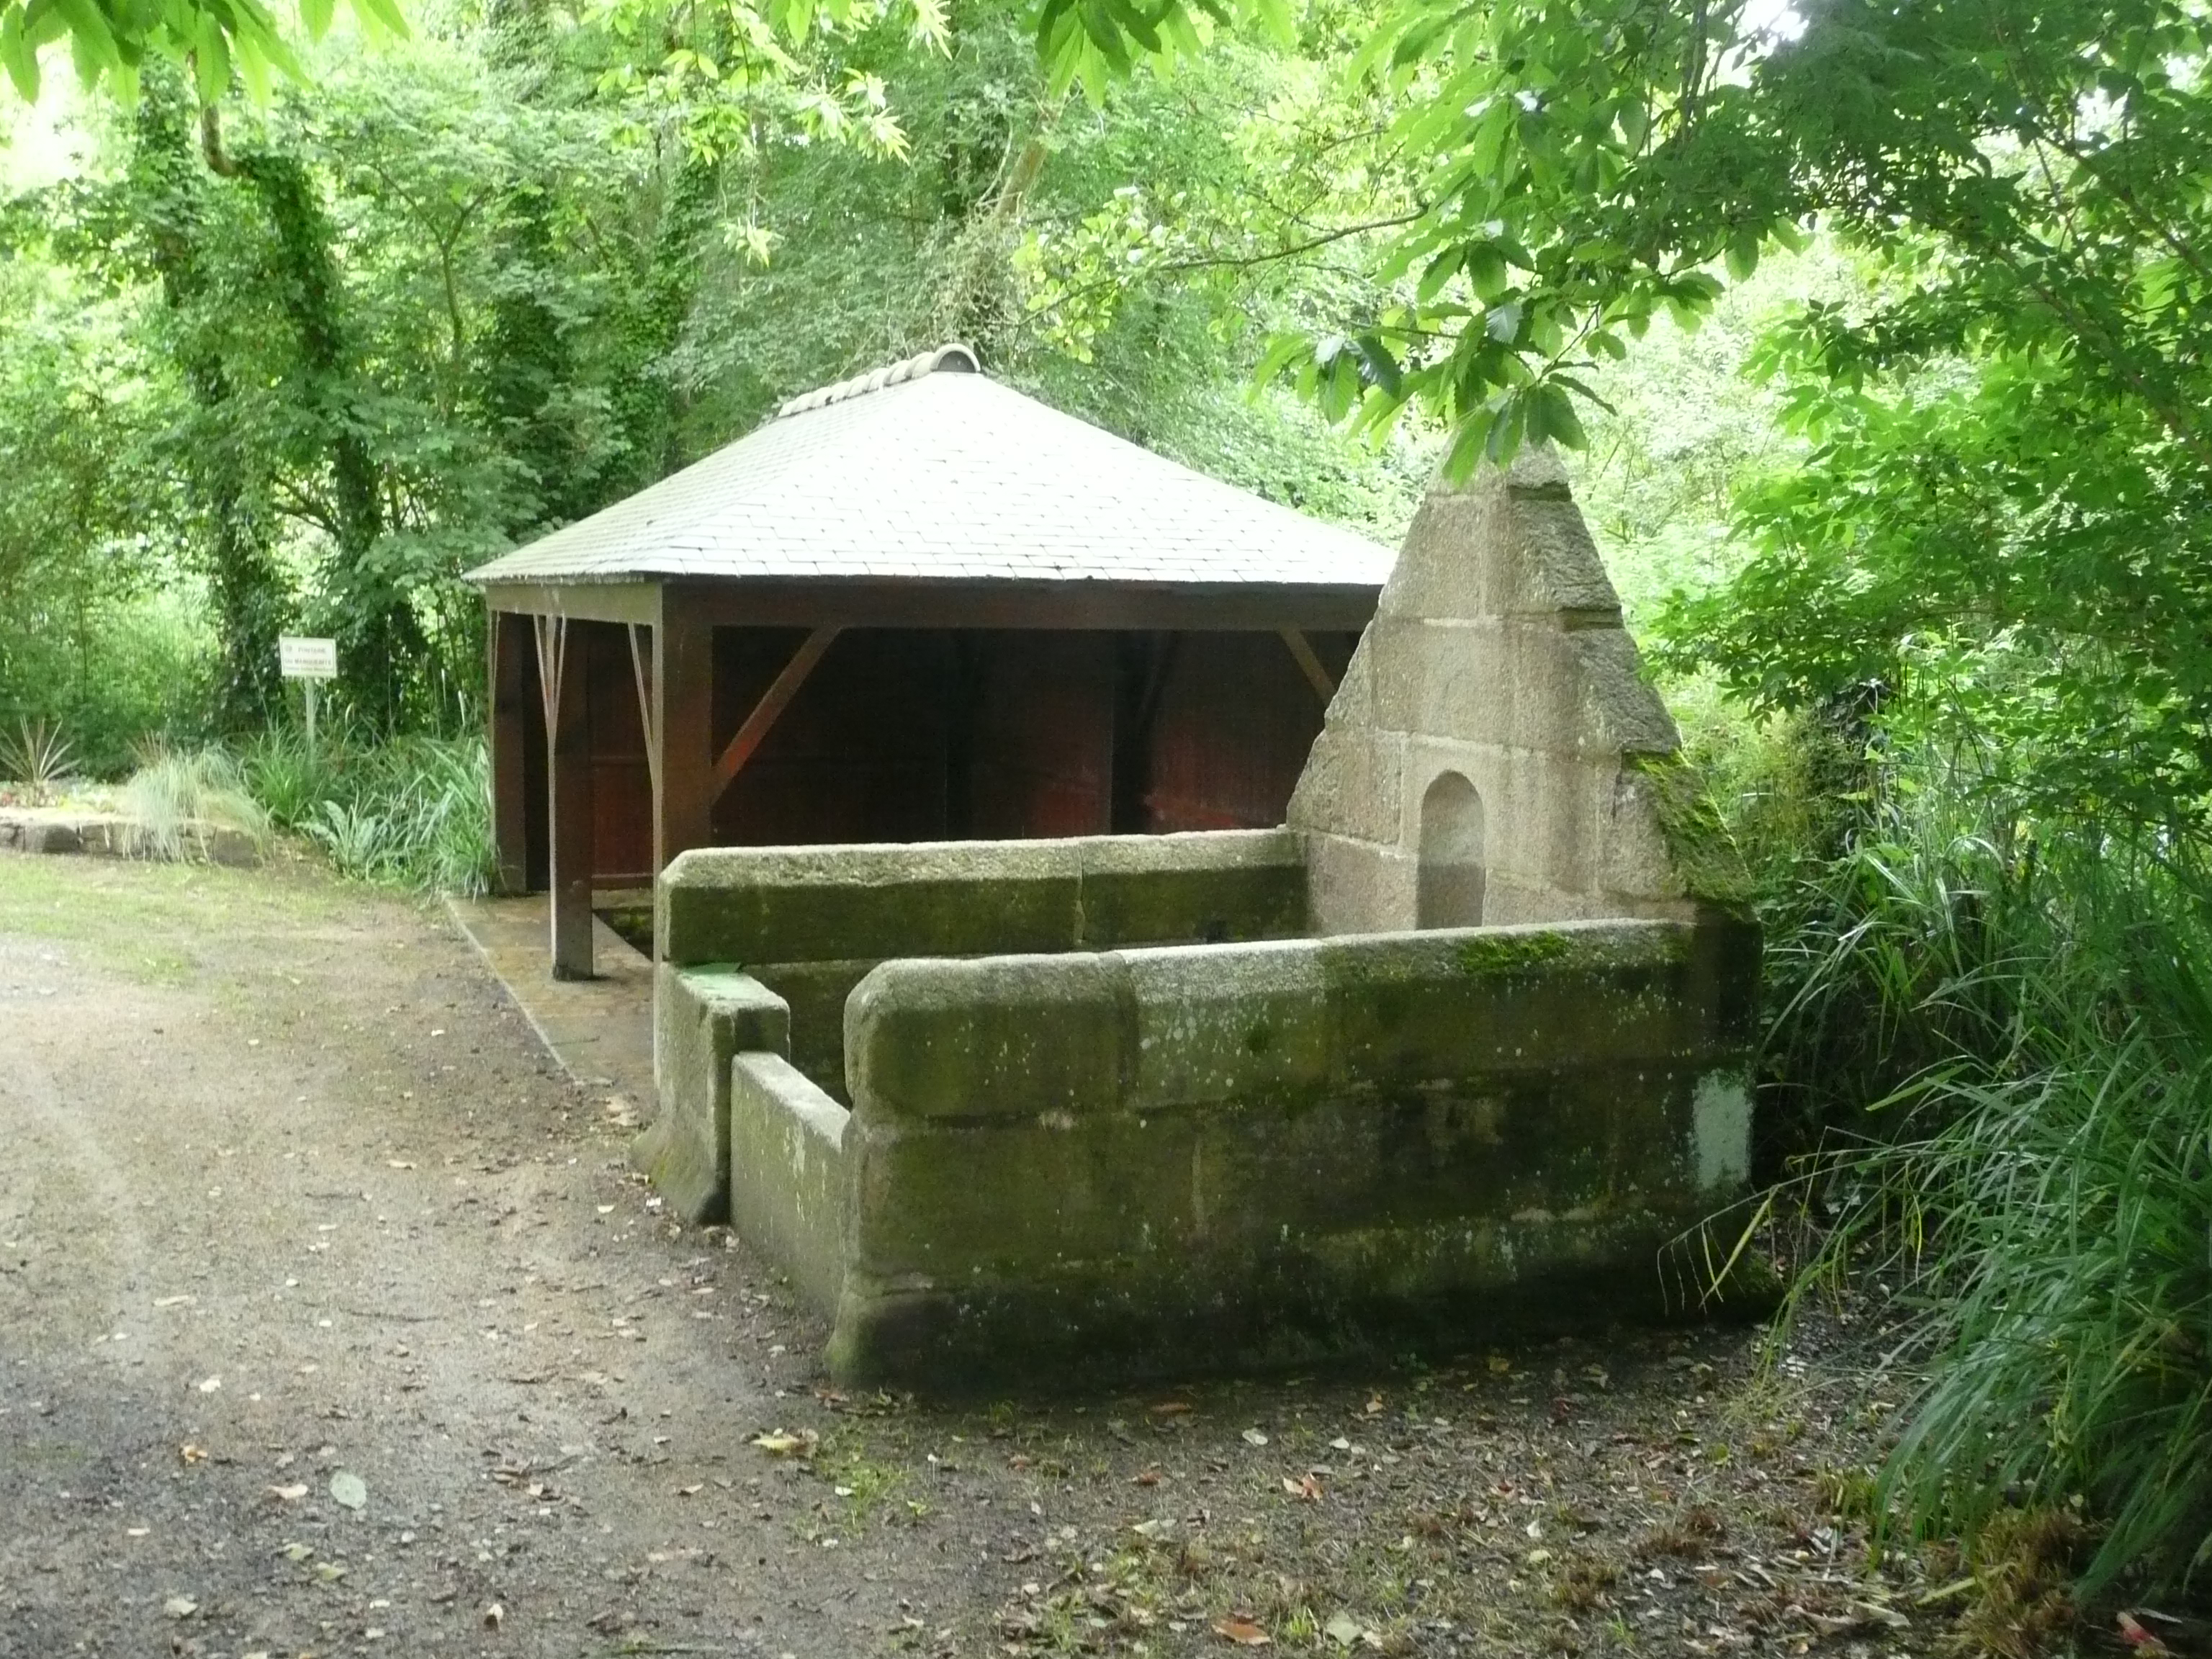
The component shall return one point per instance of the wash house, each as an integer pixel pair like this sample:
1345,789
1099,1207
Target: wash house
913,606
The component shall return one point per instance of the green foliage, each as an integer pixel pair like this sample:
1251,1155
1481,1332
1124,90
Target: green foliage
110,40
39,756
2042,1190
411,812
177,797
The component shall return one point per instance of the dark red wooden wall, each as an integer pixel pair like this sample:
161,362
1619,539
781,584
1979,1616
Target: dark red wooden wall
912,735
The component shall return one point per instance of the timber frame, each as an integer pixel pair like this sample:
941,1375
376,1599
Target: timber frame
666,627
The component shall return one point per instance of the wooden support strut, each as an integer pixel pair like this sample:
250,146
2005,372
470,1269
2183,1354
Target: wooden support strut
638,653
1309,663
774,700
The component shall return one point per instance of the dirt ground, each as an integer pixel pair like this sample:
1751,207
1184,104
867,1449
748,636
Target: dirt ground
331,1322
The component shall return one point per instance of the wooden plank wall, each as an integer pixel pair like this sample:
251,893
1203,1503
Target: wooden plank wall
922,735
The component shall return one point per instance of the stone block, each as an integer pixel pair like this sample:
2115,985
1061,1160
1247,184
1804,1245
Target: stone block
1352,787
50,835
702,1019
1357,887
1004,1037
774,904
788,1174
1625,713
1190,889
1217,1025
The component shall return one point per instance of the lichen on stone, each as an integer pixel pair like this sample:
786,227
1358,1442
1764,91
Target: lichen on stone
1704,854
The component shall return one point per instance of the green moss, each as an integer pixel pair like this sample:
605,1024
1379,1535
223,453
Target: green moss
1502,955
1704,852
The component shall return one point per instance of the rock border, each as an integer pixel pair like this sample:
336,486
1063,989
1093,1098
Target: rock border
54,829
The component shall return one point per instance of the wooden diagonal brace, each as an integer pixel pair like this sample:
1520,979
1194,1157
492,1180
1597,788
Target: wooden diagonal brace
638,653
773,702
552,633
1309,663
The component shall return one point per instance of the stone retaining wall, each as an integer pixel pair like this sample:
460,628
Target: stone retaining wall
809,922
1238,1157
111,835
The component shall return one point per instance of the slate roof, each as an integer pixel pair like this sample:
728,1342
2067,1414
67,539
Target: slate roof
929,470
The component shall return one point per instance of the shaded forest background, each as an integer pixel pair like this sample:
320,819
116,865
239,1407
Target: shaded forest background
1881,340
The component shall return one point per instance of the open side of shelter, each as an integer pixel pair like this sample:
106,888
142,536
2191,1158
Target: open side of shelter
915,606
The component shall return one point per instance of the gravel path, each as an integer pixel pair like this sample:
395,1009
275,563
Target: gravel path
332,1322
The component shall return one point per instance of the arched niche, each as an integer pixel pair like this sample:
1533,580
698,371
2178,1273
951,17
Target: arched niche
1450,894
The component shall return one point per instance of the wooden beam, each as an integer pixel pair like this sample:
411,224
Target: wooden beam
774,700
617,602
568,796
637,656
1309,663
506,733
785,602
682,688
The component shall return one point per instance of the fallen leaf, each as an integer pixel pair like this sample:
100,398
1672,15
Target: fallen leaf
1242,1632
2142,1640
192,1454
1154,1531
1146,1478
778,1443
171,1301
1254,1438
1305,1488
348,1489
1342,1629
180,1607
1373,1405
693,1491
289,1494
1170,1407
296,1552
494,1616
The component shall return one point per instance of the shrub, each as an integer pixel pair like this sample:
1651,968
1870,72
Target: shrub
2030,1012
412,812
39,757
176,798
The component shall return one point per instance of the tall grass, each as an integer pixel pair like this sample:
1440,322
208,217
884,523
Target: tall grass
2009,1035
177,797
411,812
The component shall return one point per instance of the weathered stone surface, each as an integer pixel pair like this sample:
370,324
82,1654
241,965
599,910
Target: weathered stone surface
1271,1153
1498,653
703,1019
111,834
759,905
787,1174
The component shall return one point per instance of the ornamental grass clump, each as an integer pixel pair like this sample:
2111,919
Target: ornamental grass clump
178,799
2035,1178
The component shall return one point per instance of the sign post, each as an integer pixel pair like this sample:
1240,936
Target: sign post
309,659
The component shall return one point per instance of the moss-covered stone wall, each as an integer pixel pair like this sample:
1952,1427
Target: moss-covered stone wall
1249,1156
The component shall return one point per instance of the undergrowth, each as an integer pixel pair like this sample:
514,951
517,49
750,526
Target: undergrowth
410,811
1990,1041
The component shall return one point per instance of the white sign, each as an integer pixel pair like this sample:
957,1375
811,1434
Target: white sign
307,659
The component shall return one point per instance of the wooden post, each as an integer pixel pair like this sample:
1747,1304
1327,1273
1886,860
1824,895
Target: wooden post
506,638
563,673
683,697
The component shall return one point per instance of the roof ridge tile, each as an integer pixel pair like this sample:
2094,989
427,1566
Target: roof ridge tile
951,357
